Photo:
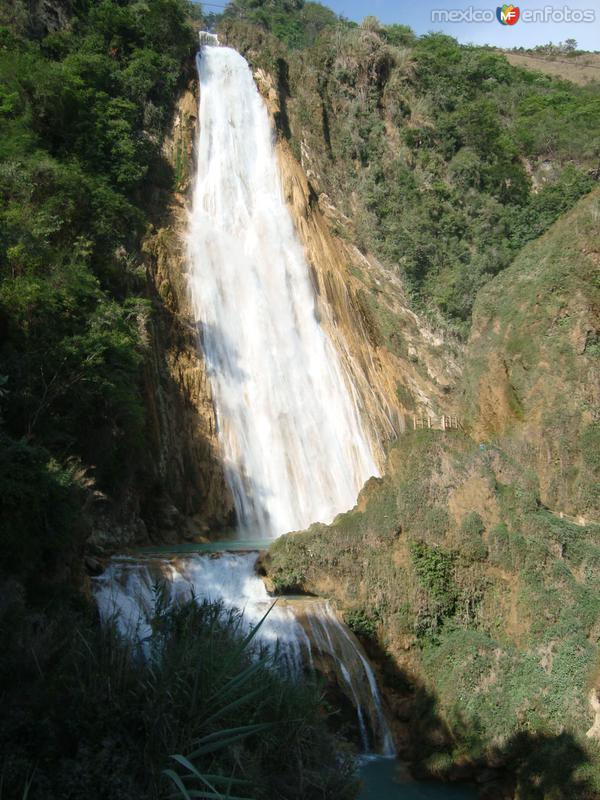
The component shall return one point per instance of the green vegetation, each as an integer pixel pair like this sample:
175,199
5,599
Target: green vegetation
87,93
531,362
434,570
83,110
363,622
567,48
504,635
445,158
38,509
295,22
87,715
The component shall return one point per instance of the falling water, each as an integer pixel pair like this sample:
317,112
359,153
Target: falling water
291,436
306,631
290,431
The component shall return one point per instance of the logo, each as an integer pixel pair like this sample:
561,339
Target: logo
508,15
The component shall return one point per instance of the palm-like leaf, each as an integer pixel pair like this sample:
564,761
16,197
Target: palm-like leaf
191,782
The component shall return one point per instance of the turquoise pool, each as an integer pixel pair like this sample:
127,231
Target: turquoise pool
387,779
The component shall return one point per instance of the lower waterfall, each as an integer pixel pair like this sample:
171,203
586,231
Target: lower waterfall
305,631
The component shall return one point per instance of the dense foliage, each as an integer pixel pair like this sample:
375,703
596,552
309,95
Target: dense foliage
86,714
295,22
83,109
444,158
491,649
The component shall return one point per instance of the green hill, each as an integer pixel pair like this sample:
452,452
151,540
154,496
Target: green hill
457,567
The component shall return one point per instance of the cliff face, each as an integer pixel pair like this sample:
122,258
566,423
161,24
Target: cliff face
181,414
532,375
397,365
36,18
180,490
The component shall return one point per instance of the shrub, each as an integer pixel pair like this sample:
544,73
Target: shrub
472,547
435,570
38,508
363,622
89,715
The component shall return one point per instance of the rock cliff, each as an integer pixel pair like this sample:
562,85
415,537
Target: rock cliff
180,490
397,364
181,414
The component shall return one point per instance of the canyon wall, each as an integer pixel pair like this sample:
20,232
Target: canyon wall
181,415
414,374
180,490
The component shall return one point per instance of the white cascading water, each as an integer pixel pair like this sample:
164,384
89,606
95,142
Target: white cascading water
289,427
306,631
291,436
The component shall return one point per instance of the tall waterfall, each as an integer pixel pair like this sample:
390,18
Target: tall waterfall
289,427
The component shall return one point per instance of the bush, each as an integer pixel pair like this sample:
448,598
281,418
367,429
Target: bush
363,622
94,716
435,570
39,504
472,546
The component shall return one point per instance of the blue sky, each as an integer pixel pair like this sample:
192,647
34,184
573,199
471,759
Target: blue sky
417,14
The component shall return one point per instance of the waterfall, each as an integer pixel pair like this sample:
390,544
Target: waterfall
292,441
307,633
289,425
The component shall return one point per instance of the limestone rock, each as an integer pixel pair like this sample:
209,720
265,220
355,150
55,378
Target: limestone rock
594,701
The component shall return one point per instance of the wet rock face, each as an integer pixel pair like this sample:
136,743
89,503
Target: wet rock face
188,493
410,371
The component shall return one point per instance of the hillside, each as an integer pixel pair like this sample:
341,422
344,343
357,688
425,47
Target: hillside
581,69
480,599
442,160
532,374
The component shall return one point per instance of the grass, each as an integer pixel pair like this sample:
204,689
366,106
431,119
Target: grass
581,69
195,708
494,610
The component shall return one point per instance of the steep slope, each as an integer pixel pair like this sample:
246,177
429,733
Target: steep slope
378,339
480,601
442,160
532,375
